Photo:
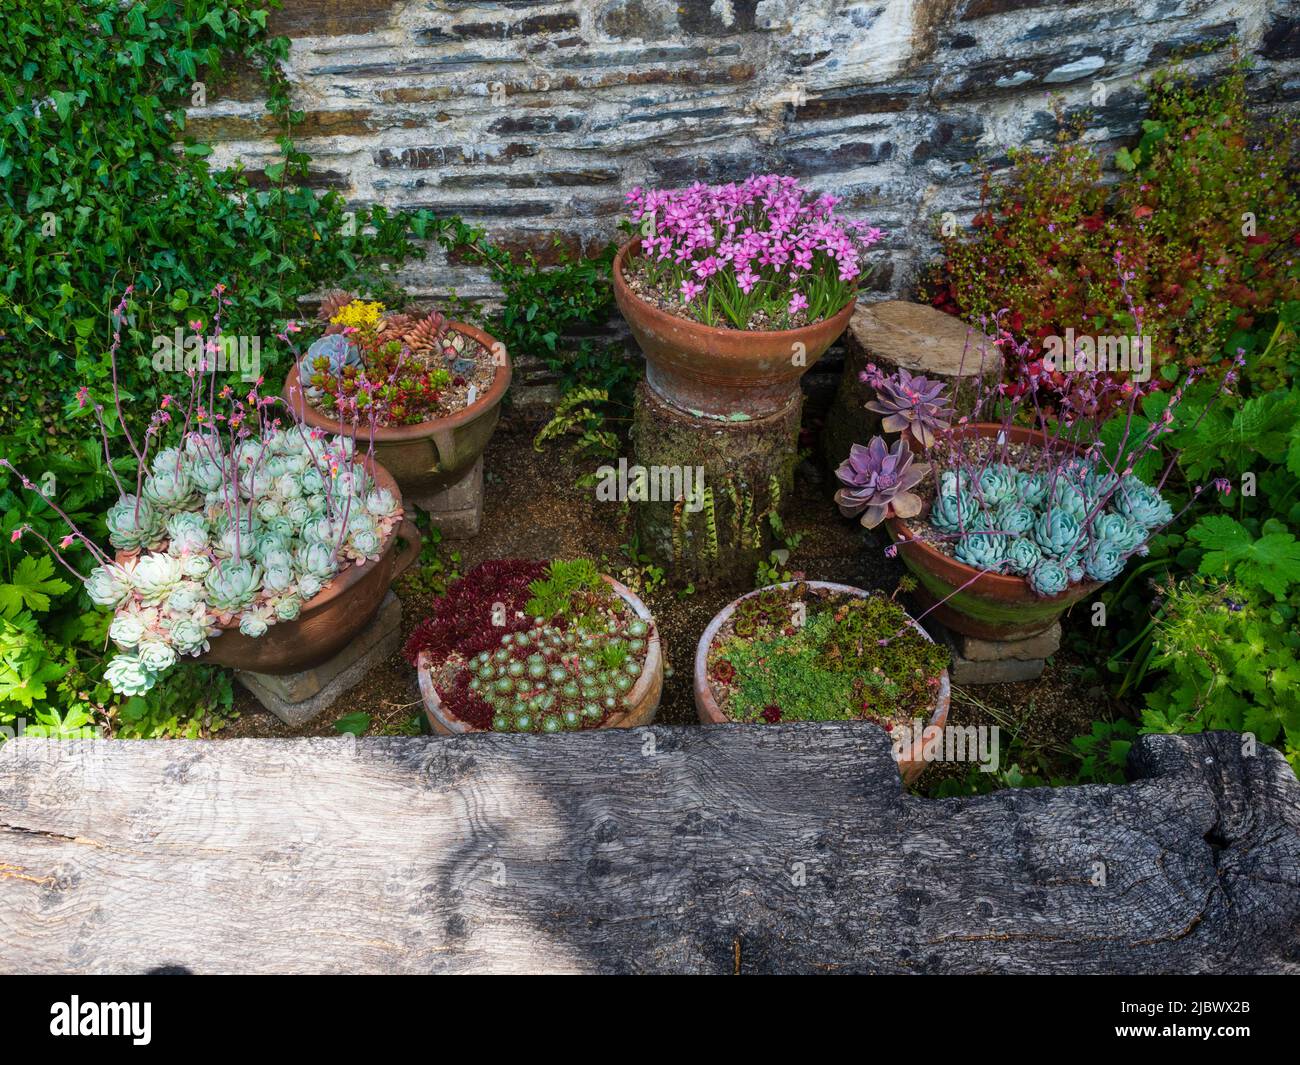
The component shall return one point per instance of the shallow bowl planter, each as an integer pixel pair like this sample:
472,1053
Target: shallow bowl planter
721,372
427,457
995,606
910,765
331,619
642,699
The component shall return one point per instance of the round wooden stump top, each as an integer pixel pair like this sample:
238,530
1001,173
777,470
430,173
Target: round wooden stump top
922,340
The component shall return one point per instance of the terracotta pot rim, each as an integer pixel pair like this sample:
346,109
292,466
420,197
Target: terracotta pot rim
345,579
902,534
661,317
647,679
704,690
396,434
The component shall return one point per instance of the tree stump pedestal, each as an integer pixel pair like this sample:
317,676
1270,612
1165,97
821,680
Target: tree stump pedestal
738,476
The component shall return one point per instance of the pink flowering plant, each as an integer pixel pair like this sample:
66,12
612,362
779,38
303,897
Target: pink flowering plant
763,254
240,519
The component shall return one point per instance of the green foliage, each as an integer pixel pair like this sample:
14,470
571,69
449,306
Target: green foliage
432,571
572,589
581,412
1233,662
32,585
1104,751
194,701
791,656
354,724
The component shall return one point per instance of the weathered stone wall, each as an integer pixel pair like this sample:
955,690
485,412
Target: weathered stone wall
533,117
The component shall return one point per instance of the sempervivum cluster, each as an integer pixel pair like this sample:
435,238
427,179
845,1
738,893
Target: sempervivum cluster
247,534
552,679
1055,528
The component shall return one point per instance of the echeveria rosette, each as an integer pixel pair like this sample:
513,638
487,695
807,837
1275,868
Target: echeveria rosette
254,623
232,585
128,629
189,635
1014,517
155,576
1142,504
954,513
1127,535
1022,556
128,676
984,551
110,585
169,488
1058,533
1104,561
1070,497
317,560
288,608
913,403
155,655
1031,488
997,484
878,482
1049,578
133,524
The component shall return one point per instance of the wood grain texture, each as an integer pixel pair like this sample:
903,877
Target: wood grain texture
646,850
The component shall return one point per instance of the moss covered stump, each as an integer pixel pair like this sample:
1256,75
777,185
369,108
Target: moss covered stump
918,338
737,476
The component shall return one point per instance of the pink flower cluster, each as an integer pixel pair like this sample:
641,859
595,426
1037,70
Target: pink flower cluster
766,240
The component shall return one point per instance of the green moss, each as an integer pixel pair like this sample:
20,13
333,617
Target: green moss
851,658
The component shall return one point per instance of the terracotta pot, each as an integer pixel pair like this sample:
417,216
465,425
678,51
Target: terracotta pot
430,456
330,620
910,766
995,606
642,699
721,372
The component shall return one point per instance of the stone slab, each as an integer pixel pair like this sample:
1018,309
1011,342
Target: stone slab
297,698
458,509
977,661
1044,645
1006,671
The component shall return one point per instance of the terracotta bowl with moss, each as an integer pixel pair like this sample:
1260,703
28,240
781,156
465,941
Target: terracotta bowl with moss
811,651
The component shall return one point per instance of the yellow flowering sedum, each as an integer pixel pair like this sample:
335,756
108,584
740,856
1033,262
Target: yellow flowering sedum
360,315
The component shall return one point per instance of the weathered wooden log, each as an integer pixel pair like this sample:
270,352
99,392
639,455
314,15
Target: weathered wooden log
747,470
786,848
921,340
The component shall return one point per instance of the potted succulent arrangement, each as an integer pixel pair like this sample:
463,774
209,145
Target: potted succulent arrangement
245,543
734,291
1008,522
427,389
817,651
519,646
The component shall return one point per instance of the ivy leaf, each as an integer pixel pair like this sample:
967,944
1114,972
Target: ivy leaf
32,586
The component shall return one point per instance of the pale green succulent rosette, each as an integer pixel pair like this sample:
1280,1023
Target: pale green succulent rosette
1049,578
984,551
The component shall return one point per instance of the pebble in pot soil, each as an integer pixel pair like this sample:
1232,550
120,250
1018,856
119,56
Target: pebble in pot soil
811,654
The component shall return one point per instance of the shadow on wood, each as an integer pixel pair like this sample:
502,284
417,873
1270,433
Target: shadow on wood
790,847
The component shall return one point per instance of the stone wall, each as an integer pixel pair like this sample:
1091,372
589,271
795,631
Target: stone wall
532,117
